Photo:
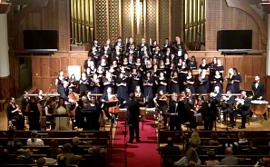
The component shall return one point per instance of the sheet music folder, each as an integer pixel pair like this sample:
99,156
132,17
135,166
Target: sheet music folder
110,104
139,99
226,105
162,102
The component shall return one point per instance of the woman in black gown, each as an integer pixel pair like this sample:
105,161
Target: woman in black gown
174,87
73,84
162,82
237,79
204,65
229,80
203,85
193,63
59,83
14,112
183,70
122,91
93,114
84,84
134,79
148,89
34,114
217,80
189,83
95,84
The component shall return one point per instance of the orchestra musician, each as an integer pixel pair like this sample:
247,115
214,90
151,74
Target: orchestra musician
14,112
243,105
161,109
258,88
229,99
49,111
106,97
59,83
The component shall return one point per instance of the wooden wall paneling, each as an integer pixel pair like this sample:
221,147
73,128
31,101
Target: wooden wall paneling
248,72
238,63
48,16
35,64
54,66
34,21
46,66
64,25
5,88
64,62
81,62
163,20
73,61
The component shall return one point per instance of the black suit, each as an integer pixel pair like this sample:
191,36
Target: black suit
244,111
133,110
209,114
229,110
25,101
175,121
259,90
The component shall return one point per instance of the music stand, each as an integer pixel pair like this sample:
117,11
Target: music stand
248,92
230,106
140,100
111,104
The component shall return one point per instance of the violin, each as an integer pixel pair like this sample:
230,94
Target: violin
115,109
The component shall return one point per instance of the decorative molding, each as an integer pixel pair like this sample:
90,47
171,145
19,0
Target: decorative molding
4,7
244,6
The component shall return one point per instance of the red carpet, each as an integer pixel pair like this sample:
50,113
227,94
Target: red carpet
142,154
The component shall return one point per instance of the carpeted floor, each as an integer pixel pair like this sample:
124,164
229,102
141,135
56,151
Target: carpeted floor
142,154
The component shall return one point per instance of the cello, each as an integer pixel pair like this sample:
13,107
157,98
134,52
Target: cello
75,98
116,109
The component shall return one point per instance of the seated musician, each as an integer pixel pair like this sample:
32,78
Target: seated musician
13,112
161,109
216,97
106,97
243,105
49,111
229,99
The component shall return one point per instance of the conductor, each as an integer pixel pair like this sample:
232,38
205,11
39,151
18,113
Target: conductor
133,110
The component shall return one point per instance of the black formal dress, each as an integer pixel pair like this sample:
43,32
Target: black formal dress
33,117
16,116
133,109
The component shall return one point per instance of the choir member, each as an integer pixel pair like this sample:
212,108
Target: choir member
230,81
229,99
134,79
186,59
108,80
14,112
217,80
87,62
142,44
95,55
183,71
130,44
119,44
173,58
107,49
132,50
104,63
153,46
59,83
202,83
162,82
96,45
174,87
204,65
189,82
166,45
193,63
167,62
138,92
122,90
178,44
84,84
237,79
213,64
148,88
34,110
95,84
243,104
179,63
157,53
88,73
100,71
219,67
167,52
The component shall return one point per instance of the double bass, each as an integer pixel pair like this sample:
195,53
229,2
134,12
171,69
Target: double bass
115,109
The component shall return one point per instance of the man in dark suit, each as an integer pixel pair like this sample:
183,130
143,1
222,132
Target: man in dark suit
170,149
120,44
229,100
133,110
209,113
107,49
244,108
258,88
142,44
25,101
